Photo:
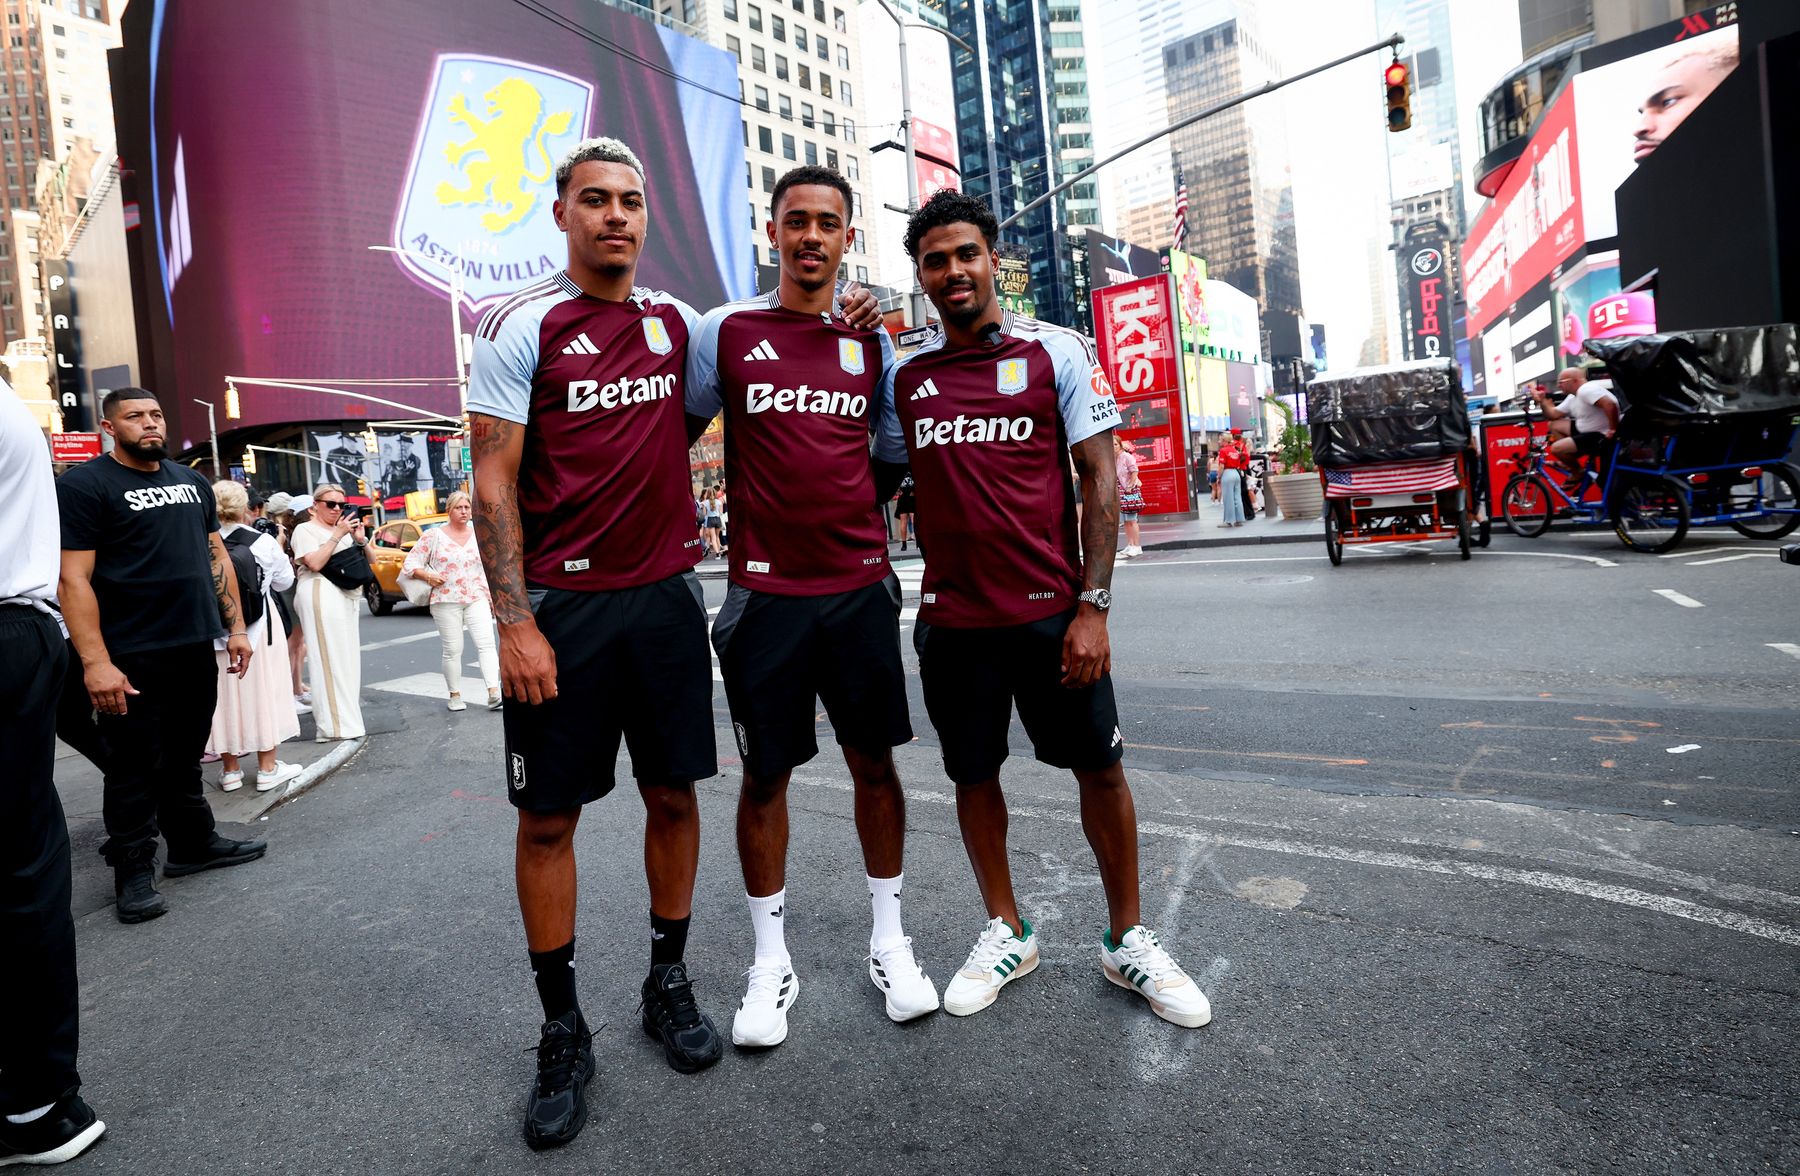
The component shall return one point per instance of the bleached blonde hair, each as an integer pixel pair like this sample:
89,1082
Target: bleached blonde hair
600,150
233,501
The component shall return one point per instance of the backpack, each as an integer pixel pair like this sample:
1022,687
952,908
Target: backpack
243,561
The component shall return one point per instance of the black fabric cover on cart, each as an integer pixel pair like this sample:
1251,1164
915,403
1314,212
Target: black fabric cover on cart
1396,412
1692,377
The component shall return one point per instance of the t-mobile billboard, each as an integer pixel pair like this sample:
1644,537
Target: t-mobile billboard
274,144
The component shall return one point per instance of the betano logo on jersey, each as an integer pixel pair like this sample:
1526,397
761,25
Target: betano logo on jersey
478,191
769,398
587,394
964,429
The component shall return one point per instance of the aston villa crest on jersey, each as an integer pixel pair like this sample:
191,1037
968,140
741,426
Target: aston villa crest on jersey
1011,376
478,191
850,356
656,335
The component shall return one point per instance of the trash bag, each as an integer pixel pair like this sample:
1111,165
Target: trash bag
1668,380
1396,412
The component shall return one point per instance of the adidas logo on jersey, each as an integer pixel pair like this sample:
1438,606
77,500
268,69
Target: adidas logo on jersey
962,429
763,350
581,345
767,398
586,394
926,389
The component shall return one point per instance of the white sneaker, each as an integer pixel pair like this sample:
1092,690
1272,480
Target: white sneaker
457,703
909,991
999,958
302,708
282,773
761,1019
231,781
1140,964
1136,551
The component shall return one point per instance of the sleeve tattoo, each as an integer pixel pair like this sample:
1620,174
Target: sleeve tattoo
1099,510
224,588
499,534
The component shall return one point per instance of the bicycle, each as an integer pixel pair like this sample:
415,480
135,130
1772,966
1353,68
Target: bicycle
1649,511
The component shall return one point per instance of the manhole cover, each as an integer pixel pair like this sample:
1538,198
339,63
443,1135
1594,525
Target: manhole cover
1278,579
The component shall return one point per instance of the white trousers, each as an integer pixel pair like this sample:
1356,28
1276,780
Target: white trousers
478,618
332,619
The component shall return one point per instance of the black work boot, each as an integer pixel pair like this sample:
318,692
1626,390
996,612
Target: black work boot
213,854
134,886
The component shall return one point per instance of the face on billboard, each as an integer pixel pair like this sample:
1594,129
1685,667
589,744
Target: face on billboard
1675,89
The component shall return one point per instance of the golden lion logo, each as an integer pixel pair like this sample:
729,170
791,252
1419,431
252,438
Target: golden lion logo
503,137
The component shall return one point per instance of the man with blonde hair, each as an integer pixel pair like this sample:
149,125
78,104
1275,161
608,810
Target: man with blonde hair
1682,84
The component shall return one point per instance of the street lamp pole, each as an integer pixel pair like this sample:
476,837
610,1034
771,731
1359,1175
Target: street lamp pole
213,428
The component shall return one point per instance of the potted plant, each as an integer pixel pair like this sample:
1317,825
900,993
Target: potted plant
1294,485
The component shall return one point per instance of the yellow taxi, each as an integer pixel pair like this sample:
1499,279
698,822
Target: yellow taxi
387,552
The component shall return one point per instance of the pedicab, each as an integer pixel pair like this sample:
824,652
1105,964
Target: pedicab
1392,447
1707,430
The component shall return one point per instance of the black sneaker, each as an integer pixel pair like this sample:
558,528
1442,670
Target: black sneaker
134,886
557,1110
688,1037
60,1134
217,853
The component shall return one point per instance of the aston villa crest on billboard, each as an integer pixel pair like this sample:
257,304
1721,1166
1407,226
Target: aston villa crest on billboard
482,177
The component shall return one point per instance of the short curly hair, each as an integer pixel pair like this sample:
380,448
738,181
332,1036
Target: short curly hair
948,208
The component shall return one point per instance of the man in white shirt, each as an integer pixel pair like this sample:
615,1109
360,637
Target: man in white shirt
42,1118
1593,415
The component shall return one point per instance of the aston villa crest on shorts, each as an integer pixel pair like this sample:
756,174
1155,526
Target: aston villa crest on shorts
478,191
1011,376
850,356
656,335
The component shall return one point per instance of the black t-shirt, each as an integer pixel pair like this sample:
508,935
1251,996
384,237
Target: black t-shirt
150,535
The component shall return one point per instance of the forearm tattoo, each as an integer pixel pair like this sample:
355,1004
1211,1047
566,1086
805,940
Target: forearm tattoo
224,590
1099,510
498,532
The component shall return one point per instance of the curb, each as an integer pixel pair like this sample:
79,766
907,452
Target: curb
314,772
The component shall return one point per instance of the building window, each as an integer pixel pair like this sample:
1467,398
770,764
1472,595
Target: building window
837,19
806,115
805,78
800,38
855,205
762,97
734,47
821,48
844,94
765,140
755,19
849,131
730,9
777,28
812,152
768,179
787,147
831,124
862,271
758,61
819,11
843,57
784,106
825,84
831,158
852,170
781,68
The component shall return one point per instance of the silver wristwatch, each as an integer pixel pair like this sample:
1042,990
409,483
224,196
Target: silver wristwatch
1100,598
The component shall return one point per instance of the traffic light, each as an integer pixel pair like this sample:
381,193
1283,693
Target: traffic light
233,408
1399,96
249,462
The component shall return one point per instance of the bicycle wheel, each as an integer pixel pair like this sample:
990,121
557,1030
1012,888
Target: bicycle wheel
1651,514
1526,505
1777,489
1334,539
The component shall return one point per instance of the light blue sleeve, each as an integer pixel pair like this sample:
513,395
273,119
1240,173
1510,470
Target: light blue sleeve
500,376
890,442
1082,389
704,394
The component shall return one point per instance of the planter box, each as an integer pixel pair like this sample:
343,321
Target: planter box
1297,496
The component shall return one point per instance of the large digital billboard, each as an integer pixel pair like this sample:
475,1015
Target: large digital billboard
273,144
1135,327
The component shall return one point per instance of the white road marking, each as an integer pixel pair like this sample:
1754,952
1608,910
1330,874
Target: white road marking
424,685
425,636
1679,908
1593,559
1738,546
1700,563
1678,598
1786,647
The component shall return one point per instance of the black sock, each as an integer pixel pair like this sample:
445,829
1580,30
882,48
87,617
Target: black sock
668,940
554,971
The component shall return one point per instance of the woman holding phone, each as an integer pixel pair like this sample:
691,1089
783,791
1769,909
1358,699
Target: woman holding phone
331,615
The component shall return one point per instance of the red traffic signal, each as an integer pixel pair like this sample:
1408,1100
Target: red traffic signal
1396,77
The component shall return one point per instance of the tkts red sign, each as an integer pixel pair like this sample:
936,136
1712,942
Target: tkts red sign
1134,323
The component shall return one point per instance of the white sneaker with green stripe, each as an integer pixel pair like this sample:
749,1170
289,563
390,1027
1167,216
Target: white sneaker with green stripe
999,958
1140,964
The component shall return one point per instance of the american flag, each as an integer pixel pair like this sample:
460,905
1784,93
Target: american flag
1392,477
1180,226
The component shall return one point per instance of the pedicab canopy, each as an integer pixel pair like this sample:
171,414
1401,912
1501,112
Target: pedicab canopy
1396,412
1664,381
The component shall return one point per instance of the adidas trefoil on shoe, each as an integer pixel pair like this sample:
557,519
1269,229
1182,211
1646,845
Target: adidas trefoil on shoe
689,1040
761,1019
998,958
1140,964
557,1110
909,991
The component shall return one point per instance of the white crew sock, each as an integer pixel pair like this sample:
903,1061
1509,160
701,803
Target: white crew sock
766,918
31,1116
884,897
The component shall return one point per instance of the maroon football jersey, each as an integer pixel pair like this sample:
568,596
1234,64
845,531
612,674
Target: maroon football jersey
800,396
988,430
603,483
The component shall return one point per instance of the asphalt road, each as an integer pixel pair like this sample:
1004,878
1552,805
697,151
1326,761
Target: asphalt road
1486,867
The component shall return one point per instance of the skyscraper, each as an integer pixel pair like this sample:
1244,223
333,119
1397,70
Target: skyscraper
1022,128
1239,184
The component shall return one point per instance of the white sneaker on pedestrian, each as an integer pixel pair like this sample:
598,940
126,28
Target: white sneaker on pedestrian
302,708
282,773
761,1019
231,781
457,703
999,958
305,696
1136,552
909,991
1140,964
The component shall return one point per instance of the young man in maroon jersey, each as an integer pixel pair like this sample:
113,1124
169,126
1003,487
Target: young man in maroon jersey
991,408
813,608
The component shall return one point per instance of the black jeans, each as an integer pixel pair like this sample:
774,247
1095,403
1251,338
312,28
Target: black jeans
150,755
38,990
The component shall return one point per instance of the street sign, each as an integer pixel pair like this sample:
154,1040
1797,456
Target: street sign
913,336
73,447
